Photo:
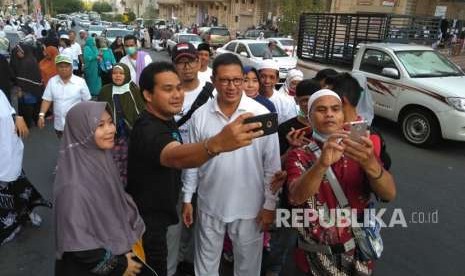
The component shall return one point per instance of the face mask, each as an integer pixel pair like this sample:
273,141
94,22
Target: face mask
130,50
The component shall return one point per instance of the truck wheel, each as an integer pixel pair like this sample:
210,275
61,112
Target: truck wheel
420,128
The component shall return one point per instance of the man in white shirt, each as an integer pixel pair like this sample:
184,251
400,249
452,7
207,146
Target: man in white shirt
64,91
269,76
234,193
134,59
186,59
204,54
76,51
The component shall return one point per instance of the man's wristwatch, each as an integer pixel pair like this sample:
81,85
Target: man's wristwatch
41,115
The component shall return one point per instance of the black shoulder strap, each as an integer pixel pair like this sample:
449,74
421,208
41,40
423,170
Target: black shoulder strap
205,94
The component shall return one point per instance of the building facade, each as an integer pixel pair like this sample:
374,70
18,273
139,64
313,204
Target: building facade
237,15
454,9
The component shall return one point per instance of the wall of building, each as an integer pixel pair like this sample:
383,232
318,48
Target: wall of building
382,6
235,14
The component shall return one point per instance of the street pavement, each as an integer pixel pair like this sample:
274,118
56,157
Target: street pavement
428,181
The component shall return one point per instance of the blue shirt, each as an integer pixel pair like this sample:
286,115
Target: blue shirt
265,102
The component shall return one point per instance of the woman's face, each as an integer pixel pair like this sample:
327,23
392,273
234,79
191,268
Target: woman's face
105,132
293,84
117,76
119,41
251,84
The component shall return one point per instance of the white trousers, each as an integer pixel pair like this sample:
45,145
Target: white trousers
247,243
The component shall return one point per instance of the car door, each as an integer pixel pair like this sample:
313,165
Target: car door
241,48
231,48
383,88
172,42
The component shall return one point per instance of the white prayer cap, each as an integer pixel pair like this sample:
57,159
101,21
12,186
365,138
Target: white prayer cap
321,93
64,36
268,64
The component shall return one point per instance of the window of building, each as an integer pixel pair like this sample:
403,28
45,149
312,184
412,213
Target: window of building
236,19
225,8
244,1
237,1
211,6
252,2
217,8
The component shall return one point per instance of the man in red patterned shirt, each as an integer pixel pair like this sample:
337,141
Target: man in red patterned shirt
359,171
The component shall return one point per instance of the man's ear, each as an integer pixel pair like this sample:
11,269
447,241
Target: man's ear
147,96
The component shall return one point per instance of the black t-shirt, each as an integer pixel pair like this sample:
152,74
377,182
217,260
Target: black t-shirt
284,129
154,187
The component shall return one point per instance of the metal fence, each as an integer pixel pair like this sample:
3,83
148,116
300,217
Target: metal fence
333,38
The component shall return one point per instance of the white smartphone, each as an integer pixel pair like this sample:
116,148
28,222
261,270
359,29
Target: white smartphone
357,130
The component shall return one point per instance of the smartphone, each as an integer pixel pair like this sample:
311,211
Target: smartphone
269,123
146,270
357,130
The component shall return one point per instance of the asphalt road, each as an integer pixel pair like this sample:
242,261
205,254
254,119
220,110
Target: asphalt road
428,181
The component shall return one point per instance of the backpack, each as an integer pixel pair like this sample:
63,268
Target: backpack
203,97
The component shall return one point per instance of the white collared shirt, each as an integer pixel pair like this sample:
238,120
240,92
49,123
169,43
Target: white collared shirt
285,106
64,96
76,52
233,185
189,99
131,63
205,75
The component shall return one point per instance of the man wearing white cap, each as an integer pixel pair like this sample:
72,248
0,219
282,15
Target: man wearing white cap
64,90
269,76
344,173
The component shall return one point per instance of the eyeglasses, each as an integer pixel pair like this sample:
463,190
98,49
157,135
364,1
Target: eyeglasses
226,82
184,64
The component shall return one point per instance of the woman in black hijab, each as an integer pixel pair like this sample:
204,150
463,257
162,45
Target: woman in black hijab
117,48
51,39
28,79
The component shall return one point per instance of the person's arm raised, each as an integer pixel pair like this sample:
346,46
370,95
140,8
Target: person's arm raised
233,136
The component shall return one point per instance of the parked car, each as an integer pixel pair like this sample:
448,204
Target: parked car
215,36
96,29
253,34
287,44
177,38
111,33
412,85
84,23
251,54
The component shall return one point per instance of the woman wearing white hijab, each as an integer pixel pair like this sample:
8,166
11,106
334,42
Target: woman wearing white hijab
17,195
293,78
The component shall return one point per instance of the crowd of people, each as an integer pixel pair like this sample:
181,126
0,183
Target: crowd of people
159,174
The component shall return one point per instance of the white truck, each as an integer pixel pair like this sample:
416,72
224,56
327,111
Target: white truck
410,84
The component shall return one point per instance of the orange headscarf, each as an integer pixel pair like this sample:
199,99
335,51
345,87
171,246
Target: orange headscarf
47,65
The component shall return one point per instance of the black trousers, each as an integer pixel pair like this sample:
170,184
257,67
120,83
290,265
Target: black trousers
155,246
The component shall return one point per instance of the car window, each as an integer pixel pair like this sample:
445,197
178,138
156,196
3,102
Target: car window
222,32
189,38
374,61
231,46
286,42
258,49
241,48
